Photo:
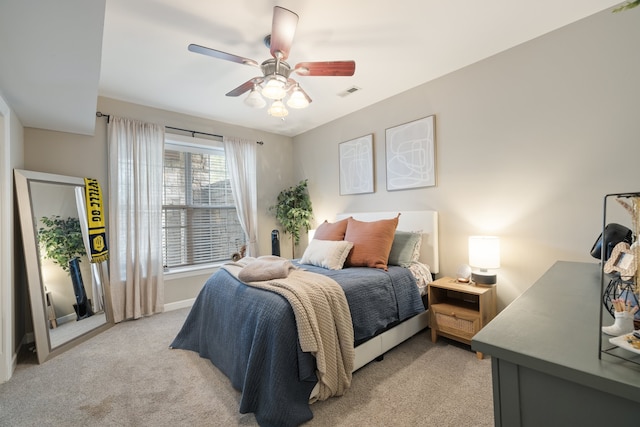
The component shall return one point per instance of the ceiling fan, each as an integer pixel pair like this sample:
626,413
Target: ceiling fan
275,83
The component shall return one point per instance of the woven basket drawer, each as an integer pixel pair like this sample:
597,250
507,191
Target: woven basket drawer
457,321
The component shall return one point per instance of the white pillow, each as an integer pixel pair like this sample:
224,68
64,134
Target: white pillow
329,254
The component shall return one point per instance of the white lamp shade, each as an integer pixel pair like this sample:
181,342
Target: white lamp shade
274,87
484,252
278,109
297,99
255,100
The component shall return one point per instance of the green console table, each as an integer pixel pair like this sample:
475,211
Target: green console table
545,362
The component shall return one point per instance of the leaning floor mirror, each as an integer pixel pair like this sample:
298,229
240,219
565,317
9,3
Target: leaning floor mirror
69,294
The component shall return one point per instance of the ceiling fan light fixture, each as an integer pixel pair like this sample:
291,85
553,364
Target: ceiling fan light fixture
255,100
274,87
297,99
278,109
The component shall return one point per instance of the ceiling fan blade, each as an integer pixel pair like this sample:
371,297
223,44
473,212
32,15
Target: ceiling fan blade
283,28
221,55
245,87
328,68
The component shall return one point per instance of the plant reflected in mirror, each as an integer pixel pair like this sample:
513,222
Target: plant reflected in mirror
61,240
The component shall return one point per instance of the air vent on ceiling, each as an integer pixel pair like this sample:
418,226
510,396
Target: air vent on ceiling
352,89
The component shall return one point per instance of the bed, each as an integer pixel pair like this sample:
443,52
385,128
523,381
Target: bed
250,333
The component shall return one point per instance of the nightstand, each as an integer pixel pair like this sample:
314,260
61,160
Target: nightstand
459,310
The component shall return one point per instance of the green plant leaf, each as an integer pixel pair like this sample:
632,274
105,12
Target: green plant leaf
294,210
61,240
628,5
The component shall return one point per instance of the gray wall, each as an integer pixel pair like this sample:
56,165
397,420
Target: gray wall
80,155
528,143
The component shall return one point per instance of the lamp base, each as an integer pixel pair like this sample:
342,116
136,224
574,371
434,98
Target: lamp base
483,278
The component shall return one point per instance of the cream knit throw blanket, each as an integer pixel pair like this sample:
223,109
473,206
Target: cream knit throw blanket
323,320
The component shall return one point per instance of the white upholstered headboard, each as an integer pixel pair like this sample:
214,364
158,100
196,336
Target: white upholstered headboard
427,221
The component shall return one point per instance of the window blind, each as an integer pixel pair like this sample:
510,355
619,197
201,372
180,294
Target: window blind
200,224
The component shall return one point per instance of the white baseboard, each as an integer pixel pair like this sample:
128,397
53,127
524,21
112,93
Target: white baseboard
27,340
179,304
71,317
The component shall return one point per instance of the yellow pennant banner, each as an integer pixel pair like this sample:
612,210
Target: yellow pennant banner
95,219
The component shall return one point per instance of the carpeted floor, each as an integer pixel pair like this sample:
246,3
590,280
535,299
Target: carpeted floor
128,376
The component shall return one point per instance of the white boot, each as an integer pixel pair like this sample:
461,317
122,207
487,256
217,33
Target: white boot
623,324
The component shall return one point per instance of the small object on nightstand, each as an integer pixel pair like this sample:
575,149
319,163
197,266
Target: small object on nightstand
463,274
458,311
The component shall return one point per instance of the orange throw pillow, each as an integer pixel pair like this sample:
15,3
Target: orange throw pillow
371,242
331,231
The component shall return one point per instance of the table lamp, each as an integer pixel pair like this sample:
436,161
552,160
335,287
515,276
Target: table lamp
484,254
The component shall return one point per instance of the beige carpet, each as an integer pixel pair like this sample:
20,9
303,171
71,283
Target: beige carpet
127,376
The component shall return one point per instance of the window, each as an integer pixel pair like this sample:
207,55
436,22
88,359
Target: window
199,220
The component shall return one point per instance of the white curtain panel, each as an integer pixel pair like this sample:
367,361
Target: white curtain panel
135,218
241,163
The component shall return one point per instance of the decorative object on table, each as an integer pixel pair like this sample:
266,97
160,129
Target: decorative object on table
617,288
294,212
629,342
622,261
620,278
484,254
631,203
410,155
356,166
619,255
618,258
63,243
623,318
612,235
463,273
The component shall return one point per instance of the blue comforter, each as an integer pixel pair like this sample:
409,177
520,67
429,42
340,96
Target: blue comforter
250,335
377,298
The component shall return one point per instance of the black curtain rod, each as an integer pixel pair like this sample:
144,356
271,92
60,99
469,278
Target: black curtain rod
192,132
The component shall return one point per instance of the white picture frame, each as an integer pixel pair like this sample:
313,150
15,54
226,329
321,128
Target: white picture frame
356,165
410,155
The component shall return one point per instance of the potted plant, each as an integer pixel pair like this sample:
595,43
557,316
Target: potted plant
294,211
63,243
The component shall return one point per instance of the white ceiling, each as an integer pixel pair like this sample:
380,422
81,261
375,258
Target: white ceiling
53,67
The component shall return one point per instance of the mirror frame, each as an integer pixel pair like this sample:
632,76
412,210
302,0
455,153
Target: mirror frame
33,267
